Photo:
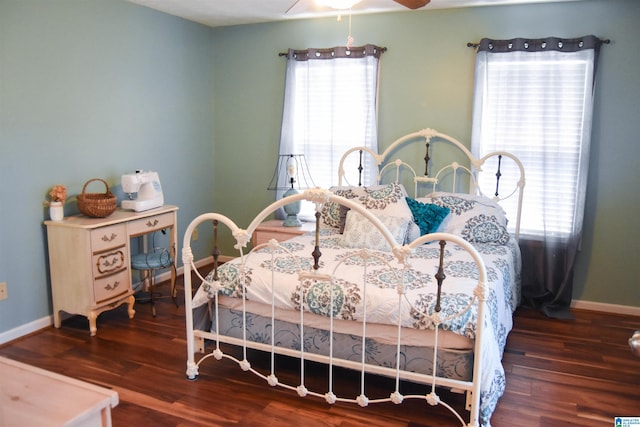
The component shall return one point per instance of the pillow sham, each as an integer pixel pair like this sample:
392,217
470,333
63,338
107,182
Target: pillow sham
485,229
428,216
477,219
360,233
388,199
330,214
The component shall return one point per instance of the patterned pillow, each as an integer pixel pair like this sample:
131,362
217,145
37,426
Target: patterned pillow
485,229
388,199
428,216
360,233
330,214
477,219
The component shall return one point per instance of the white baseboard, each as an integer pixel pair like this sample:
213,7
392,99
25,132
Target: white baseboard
25,329
46,321
606,308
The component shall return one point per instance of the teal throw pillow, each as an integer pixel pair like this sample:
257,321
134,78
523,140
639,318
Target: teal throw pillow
427,216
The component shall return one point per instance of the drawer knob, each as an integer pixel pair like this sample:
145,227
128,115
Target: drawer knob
152,224
106,238
108,287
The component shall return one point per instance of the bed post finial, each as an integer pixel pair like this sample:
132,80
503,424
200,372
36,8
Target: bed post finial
498,174
426,159
316,250
360,169
216,249
440,276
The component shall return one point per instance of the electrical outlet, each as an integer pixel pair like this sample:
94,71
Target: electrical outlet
194,235
3,291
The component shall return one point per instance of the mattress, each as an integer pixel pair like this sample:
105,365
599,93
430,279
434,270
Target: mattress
273,278
414,356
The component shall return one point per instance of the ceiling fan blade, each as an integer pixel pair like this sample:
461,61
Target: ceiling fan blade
305,7
295,3
413,4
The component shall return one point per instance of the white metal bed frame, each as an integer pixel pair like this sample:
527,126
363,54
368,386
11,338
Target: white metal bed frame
196,338
385,162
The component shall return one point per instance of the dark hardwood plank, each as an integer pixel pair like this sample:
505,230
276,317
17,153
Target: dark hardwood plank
559,373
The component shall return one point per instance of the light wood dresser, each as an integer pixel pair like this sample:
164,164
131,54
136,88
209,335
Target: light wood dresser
90,262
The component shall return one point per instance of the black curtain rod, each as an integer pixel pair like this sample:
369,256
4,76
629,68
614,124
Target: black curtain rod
382,49
475,45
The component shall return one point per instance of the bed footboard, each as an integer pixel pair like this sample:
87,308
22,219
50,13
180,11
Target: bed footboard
317,279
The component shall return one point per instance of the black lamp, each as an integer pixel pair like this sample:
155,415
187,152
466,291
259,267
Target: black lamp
291,174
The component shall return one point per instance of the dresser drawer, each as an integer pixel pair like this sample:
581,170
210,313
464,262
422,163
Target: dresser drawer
152,223
104,238
109,261
111,286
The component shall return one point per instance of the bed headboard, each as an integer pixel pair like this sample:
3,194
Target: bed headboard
427,161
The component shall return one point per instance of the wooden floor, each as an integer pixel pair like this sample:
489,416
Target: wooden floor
559,373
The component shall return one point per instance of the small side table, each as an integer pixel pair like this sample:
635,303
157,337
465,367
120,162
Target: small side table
274,229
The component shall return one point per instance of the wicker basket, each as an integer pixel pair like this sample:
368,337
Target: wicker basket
97,205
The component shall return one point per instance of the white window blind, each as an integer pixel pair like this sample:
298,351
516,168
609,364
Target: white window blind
333,113
330,106
534,106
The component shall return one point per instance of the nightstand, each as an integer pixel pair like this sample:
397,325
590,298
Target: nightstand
274,229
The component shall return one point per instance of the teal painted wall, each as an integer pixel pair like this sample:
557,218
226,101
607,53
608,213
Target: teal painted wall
427,81
97,88
94,89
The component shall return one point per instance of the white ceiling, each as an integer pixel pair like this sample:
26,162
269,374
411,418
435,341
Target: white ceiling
216,13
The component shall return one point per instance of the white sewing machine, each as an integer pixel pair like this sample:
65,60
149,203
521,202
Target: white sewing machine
147,185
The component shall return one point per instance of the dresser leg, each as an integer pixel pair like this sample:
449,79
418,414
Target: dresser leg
57,321
130,302
92,316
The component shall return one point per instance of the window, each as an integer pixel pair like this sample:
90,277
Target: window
330,106
537,105
534,98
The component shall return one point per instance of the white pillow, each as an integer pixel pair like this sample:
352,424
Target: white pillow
413,232
359,232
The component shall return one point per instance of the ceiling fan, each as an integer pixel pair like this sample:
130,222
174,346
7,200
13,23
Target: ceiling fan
316,7
413,4
347,4
355,4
